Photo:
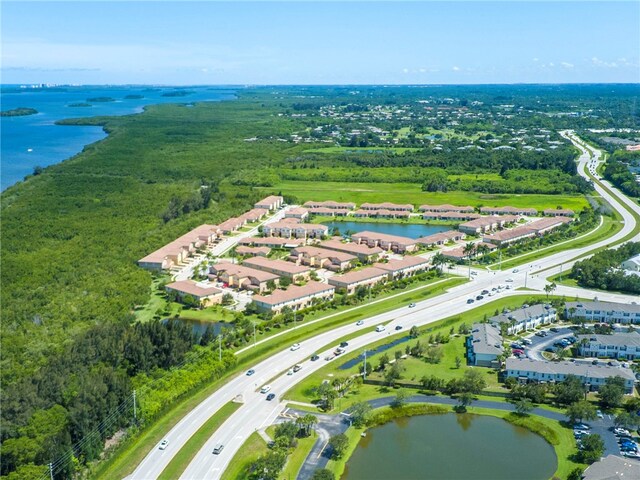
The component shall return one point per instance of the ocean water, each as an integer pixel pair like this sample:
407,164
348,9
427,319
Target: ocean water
35,140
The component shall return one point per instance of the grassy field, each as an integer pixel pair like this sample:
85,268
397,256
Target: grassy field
182,459
250,451
297,457
412,193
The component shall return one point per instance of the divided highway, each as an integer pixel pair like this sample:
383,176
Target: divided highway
256,412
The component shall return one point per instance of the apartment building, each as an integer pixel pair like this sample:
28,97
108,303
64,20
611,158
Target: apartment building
278,267
525,318
364,253
406,267
386,242
322,258
272,202
205,295
295,297
622,345
242,277
597,311
484,345
366,277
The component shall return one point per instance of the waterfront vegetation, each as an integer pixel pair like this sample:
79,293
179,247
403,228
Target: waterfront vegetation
72,234
18,112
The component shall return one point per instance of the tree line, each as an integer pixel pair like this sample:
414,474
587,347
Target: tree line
603,271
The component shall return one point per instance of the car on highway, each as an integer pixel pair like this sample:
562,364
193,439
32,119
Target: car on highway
470,300
218,448
297,368
339,351
359,322
265,389
474,273
380,328
344,344
294,347
510,280
315,357
479,297
484,292
411,305
398,327
290,371
250,372
271,396
163,444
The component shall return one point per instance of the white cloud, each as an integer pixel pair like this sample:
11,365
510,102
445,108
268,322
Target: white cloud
456,69
567,64
405,70
601,63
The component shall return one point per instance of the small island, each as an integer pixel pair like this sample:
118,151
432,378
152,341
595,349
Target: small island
79,104
100,99
133,97
18,112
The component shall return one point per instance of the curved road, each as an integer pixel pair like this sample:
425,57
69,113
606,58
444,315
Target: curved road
256,412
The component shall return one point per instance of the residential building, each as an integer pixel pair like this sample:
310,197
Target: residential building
406,267
484,345
613,467
297,230
253,251
322,258
546,224
505,237
329,212
525,318
300,213
387,206
609,312
278,267
623,346
295,297
366,277
272,202
232,224
240,276
633,264
386,242
254,215
176,252
456,254
205,295
486,224
440,238
271,242
330,204
559,212
508,211
446,208
451,216
364,253
591,376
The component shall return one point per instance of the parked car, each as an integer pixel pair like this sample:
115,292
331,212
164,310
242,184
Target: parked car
599,414
526,341
554,329
163,444
295,347
510,280
582,426
250,372
271,396
517,351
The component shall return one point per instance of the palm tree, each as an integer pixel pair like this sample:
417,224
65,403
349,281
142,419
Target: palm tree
438,260
549,288
468,250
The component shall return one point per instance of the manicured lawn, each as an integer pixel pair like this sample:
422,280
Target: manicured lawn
297,457
182,459
250,451
412,193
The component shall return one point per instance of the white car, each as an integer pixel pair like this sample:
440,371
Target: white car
509,280
265,389
163,444
359,322
294,347
380,328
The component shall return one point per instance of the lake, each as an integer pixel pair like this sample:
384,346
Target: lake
35,140
410,230
451,446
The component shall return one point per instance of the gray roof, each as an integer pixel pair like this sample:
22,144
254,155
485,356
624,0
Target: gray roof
522,314
612,467
631,339
569,368
608,306
486,338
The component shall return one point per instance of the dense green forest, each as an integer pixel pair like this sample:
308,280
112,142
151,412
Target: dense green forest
617,173
71,235
603,270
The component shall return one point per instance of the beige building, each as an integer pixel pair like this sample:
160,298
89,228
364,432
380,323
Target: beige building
239,276
294,297
509,211
364,253
406,267
486,224
446,208
366,277
441,238
272,202
296,230
279,267
387,206
205,295
322,258
386,242
300,213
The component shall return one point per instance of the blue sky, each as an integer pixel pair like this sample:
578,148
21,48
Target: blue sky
320,43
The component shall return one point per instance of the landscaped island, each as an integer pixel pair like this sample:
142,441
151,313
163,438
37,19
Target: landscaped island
100,99
18,112
79,104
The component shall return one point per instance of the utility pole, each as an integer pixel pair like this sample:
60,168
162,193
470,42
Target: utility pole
526,274
135,412
51,464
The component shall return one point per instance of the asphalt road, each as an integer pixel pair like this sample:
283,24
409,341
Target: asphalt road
256,412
